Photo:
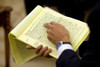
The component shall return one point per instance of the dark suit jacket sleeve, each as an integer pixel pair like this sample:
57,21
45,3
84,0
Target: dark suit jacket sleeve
91,57
69,59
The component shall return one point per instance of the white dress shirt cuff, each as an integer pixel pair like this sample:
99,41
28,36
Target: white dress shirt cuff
62,48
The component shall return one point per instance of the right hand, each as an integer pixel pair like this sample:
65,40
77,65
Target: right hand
56,33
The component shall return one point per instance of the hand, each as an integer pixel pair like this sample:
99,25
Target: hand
57,33
40,50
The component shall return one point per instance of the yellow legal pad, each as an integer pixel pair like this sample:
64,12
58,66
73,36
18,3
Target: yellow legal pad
30,31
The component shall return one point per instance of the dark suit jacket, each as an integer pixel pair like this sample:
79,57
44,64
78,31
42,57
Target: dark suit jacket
71,8
91,57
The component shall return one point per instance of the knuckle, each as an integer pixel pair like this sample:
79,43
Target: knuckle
49,37
45,48
37,49
46,54
52,22
49,31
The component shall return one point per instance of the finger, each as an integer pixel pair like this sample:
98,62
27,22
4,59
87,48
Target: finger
29,47
38,49
51,38
48,25
42,51
53,23
49,32
46,53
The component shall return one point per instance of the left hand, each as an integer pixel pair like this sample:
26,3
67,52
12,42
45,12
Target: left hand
41,51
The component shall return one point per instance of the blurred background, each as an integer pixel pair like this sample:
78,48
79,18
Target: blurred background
16,15
16,10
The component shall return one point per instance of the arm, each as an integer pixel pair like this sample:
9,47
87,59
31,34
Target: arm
67,57
91,57
53,36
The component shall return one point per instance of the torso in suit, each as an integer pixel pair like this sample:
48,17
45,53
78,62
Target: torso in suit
91,57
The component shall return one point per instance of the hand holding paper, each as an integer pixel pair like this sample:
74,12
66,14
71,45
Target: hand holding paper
32,32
